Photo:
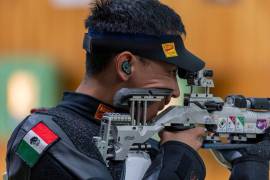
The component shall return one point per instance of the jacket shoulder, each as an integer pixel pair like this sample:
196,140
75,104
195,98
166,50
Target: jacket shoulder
31,139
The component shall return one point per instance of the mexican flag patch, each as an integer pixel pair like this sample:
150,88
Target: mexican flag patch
35,142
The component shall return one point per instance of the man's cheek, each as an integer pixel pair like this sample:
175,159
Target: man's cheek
153,110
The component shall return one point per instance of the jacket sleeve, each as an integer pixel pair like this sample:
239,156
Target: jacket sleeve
176,161
250,168
46,168
60,161
14,167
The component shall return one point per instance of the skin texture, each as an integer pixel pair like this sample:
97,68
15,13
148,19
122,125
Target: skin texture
191,137
144,74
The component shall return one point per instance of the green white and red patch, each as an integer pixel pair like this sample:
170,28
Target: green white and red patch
35,142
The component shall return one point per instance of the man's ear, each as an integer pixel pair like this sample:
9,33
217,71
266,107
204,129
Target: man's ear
124,65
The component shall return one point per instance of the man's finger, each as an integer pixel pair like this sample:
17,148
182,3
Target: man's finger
199,131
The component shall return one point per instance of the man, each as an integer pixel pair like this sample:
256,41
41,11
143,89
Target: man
129,44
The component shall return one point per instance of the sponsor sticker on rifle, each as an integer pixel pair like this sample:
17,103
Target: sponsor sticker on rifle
250,128
239,124
222,125
261,125
231,124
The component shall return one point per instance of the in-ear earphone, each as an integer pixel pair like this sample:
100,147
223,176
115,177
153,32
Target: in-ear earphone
126,67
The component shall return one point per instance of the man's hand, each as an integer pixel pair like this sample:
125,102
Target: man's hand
247,163
192,137
259,151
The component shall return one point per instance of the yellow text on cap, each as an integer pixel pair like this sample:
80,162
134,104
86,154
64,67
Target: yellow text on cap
169,50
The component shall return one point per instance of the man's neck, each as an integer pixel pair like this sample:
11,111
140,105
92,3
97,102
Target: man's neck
95,88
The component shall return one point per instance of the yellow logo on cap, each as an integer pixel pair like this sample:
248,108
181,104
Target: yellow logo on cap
169,50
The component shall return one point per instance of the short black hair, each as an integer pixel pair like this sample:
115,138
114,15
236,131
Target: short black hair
148,17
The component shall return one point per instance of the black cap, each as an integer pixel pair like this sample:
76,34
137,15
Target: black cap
166,48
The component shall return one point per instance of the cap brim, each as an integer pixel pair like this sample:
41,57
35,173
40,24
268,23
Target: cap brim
189,62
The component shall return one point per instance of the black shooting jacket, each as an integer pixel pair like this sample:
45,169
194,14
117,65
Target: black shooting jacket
75,156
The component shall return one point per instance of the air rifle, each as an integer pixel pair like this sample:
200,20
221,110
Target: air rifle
233,123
